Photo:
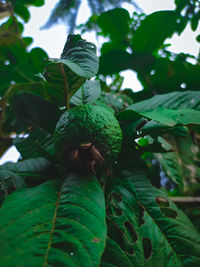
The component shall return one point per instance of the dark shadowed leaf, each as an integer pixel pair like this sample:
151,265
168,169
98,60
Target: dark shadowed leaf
9,182
114,61
36,88
35,144
115,24
42,114
152,32
32,170
182,165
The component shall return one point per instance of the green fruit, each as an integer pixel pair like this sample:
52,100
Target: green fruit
89,134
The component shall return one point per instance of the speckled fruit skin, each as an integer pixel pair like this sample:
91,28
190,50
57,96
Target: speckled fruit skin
89,124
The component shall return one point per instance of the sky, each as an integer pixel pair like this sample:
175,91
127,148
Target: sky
53,40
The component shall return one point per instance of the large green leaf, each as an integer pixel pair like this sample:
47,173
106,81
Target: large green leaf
175,100
163,115
61,224
155,129
170,109
169,225
166,235
174,117
66,75
87,94
33,171
152,32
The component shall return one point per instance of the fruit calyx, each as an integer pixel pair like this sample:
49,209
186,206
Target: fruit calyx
84,157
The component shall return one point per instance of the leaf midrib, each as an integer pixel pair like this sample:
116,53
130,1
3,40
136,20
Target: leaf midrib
52,229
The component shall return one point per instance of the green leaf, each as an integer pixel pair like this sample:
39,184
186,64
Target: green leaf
175,100
114,255
115,24
36,88
117,60
8,30
194,22
198,38
9,182
35,111
22,11
123,222
114,62
78,62
162,224
177,73
183,243
27,41
155,129
37,58
163,115
174,117
38,143
152,32
59,224
115,100
182,165
87,94
170,109
32,170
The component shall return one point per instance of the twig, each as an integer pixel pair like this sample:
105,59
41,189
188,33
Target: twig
185,199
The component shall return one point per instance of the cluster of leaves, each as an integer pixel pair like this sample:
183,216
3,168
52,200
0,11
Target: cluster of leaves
59,218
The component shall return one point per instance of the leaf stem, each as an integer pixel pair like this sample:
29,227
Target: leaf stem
66,87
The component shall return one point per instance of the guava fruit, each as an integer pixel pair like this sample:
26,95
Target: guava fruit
88,137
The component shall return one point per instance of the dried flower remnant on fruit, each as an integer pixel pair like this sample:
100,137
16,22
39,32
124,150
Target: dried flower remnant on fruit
85,157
